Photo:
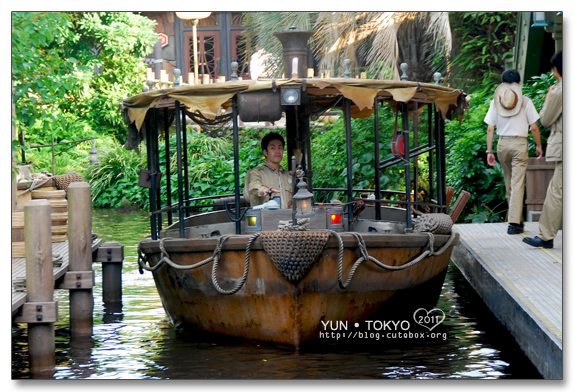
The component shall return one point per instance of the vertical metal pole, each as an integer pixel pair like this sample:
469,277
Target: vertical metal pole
168,159
186,163
438,158
179,157
377,170
53,159
156,144
347,119
305,138
431,158
151,193
195,43
407,163
441,191
39,284
236,162
415,159
80,253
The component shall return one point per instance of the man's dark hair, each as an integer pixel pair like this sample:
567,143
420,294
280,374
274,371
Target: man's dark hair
272,136
557,62
510,76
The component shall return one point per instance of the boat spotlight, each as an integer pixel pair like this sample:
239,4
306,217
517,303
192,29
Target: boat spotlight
291,95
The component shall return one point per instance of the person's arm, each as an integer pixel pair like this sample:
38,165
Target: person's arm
552,108
490,156
257,187
537,138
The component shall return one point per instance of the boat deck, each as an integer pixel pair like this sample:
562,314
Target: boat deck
522,286
19,270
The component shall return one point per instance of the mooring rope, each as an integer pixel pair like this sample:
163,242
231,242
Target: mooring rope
36,183
215,257
246,269
365,256
217,254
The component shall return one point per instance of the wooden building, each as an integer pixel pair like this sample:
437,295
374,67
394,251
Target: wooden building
219,43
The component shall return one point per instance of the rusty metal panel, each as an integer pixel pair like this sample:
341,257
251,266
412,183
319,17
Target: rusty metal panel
260,106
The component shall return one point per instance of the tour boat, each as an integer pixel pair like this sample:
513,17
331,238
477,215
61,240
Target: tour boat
280,275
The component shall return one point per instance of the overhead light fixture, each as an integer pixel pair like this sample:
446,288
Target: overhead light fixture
539,19
291,95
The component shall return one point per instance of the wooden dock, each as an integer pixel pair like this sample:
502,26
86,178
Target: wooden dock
19,270
522,286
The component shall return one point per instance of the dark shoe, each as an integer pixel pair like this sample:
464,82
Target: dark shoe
538,242
514,228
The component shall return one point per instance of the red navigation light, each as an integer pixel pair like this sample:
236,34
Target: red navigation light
336,219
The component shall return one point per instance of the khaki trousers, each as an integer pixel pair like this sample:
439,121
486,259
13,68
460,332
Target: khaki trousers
552,213
513,156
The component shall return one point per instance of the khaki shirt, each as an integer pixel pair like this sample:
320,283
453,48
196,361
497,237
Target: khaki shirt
552,115
265,177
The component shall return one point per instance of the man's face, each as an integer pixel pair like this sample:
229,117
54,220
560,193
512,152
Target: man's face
275,152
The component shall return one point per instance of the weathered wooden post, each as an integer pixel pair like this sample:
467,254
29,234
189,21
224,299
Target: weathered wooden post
80,277
111,255
40,311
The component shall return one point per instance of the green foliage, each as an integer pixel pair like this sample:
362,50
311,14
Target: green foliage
329,160
482,42
115,178
58,89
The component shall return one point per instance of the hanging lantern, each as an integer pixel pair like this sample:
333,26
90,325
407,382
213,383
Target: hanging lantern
93,153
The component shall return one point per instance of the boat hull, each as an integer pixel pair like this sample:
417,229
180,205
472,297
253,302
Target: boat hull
270,308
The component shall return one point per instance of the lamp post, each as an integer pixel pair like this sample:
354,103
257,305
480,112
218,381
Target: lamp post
195,16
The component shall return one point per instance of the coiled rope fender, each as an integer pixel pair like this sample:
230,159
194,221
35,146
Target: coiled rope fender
215,257
365,256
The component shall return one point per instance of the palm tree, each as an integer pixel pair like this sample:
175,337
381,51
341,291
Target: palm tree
375,42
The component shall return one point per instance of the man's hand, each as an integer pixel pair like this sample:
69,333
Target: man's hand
539,152
491,160
269,191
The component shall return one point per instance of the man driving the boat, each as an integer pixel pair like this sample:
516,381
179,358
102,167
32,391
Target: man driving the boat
270,181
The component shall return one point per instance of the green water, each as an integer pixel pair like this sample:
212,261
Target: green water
135,340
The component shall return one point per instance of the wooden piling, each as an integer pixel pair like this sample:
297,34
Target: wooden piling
111,255
80,253
40,288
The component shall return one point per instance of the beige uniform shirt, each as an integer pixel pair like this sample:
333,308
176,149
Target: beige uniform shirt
265,177
552,115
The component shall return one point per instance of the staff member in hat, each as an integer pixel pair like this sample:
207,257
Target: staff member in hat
512,115
552,115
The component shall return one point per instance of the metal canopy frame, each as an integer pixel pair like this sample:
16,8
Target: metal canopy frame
435,129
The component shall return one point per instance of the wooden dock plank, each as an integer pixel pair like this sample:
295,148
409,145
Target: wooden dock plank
19,270
521,284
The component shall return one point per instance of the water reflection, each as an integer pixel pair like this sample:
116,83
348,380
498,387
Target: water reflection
133,339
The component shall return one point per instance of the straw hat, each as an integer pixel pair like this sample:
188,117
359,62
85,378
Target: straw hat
508,99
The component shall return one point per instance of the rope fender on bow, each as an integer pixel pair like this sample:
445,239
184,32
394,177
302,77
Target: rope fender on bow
215,257
365,256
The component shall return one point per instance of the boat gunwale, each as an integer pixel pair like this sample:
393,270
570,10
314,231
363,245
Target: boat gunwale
239,242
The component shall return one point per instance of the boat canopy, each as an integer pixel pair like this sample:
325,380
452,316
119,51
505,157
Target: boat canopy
208,99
